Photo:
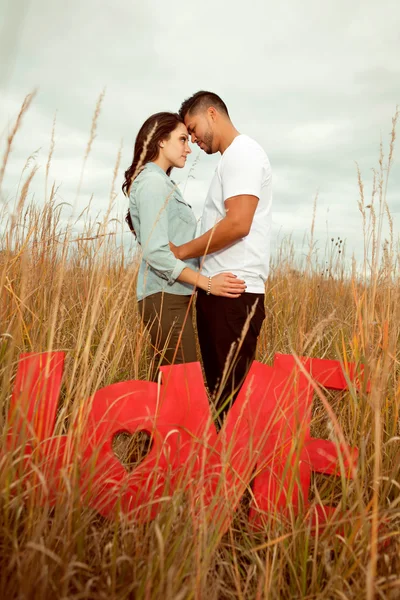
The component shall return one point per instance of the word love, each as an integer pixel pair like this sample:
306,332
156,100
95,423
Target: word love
265,440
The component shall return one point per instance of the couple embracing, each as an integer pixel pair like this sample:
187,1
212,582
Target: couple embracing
227,265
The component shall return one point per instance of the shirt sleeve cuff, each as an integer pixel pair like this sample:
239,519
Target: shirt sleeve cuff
180,265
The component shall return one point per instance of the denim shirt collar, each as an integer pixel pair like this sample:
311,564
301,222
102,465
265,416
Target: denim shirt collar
151,166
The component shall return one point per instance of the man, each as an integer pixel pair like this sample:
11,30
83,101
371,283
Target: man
235,237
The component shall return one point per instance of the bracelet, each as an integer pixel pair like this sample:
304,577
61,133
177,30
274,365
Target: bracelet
209,286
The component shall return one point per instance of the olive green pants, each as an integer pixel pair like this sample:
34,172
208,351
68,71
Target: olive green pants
168,319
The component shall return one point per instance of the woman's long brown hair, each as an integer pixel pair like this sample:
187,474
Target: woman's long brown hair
156,128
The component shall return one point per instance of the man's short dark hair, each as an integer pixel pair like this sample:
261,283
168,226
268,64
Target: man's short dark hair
201,101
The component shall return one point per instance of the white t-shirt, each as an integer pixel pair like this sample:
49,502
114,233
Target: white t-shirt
243,169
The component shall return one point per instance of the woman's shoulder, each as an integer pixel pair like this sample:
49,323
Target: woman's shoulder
147,174
150,180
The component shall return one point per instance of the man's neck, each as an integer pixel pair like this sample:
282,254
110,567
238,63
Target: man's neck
227,136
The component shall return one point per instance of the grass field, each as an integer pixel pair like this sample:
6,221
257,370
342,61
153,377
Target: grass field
60,291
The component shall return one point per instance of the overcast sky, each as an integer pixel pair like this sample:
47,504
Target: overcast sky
315,83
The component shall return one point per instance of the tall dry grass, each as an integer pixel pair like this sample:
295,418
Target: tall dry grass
60,291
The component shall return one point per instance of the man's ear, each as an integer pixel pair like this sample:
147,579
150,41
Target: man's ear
212,113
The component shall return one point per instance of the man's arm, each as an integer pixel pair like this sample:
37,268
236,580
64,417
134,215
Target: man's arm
234,226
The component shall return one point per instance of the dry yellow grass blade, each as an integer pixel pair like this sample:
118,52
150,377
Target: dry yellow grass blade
76,293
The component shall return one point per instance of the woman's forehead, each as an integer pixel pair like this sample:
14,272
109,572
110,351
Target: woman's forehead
181,128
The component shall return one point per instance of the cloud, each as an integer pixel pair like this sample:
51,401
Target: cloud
315,84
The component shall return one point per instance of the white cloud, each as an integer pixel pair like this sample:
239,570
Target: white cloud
315,83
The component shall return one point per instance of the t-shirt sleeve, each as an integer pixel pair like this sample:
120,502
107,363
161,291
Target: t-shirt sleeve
242,172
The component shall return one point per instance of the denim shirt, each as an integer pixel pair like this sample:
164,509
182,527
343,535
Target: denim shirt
160,215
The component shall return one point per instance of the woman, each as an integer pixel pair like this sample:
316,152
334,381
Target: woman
157,215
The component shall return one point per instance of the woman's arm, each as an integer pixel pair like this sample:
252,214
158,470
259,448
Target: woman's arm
152,196
224,284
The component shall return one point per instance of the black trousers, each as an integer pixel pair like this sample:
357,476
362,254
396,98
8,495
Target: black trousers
227,350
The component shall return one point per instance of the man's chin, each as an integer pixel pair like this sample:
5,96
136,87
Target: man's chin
206,149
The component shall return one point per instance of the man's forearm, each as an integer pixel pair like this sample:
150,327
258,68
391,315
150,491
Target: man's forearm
222,235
